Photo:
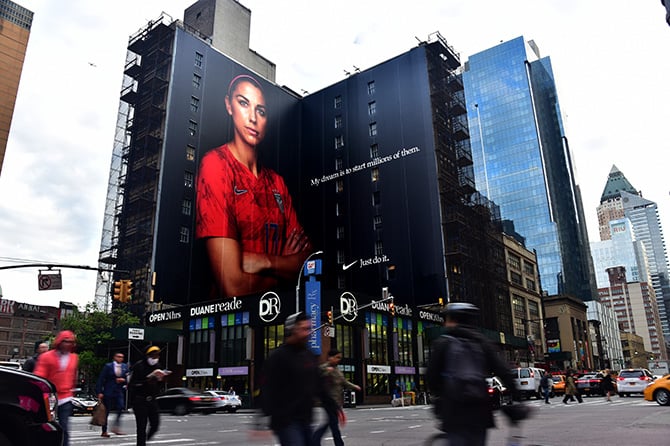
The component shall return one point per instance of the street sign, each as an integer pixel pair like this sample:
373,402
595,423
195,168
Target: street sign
136,333
49,281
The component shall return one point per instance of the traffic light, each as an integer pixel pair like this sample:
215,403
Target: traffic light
127,290
118,290
330,317
392,308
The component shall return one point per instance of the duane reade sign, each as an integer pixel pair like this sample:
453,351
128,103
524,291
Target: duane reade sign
136,333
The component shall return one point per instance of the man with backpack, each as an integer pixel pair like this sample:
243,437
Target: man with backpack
460,361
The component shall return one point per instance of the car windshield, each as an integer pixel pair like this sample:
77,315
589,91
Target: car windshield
557,379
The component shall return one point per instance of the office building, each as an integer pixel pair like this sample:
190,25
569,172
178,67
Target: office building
620,199
636,311
15,23
522,160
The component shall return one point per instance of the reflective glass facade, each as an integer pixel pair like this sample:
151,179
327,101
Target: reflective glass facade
522,161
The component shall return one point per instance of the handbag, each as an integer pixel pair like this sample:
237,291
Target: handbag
99,417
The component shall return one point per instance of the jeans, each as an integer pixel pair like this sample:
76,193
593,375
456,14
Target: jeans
471,437
64,414
546,393
115,403
145,411
334,424
295,434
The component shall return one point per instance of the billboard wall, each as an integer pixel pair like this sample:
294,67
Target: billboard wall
275,178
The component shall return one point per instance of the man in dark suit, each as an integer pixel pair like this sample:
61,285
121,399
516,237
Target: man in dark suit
111,390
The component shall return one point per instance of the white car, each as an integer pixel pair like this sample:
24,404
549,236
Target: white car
527,381
226,401
633,381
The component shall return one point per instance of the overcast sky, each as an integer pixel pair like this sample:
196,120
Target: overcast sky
610,59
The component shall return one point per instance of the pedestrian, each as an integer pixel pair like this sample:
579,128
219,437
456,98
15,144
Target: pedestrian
111,390
291,384
460,361
545,386
608,384
335,383
231,391
60,366
29,365
144,385
571,389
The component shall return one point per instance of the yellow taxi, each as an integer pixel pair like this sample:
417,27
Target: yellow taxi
559,384
659,391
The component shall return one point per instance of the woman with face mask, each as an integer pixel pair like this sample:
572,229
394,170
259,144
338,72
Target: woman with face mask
144,386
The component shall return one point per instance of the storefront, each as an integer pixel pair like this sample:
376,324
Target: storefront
224,343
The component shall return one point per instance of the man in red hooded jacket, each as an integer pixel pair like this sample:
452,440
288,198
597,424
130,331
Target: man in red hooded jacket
59,366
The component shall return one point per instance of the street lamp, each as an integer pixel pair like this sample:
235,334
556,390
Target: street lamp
297,286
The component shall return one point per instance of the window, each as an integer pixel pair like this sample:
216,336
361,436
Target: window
196,81
374,151
340,257
192,128
198,59
339,186
379,248
371,87
530,284
514,261
190,153
195,104
337,103
377,222
184,234
341,282
372,108
338,211
339,141
515,278
340,232
373,129
376,198
186,206
188,179
374,173
528,268
338,164
338,121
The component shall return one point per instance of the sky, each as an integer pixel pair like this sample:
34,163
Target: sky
610,60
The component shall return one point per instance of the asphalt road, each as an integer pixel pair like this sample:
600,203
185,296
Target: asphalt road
624,421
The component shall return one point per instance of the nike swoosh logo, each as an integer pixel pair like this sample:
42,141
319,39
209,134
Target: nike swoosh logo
239,191
346,267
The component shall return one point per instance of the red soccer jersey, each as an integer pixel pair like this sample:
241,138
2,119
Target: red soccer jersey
233,203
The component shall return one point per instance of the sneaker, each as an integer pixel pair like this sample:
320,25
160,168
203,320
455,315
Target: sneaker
105,434
547,402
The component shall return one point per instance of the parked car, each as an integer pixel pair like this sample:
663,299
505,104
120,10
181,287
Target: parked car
83,402
633,381
590,384
11,365
659,391
182,400
28,407
559,384
226,401
500,395
527,381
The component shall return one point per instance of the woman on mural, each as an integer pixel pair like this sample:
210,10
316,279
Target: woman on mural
251,232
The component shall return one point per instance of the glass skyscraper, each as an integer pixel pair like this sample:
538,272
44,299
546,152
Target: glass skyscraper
522,160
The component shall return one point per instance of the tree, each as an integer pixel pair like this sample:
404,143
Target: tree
93,328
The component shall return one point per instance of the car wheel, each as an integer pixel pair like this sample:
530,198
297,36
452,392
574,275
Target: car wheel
180,409
232,410
662,397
